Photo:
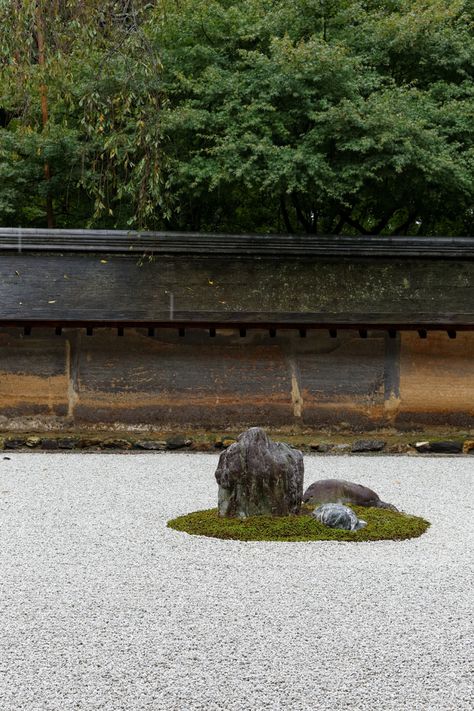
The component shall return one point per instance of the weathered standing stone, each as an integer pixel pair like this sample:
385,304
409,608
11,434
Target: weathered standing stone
257,476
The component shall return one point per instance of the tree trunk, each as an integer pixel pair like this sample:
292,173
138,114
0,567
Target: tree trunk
44,103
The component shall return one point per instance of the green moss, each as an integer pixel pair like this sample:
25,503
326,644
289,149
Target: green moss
381,525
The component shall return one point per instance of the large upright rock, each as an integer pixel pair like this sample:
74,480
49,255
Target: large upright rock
257,476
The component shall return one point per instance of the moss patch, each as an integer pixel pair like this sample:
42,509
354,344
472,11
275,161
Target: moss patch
381,525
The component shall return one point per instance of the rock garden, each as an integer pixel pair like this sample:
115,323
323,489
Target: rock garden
261,498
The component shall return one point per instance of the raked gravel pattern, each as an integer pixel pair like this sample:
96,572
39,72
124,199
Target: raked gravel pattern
103,607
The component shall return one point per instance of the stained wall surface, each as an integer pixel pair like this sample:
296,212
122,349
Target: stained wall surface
198,381
123,288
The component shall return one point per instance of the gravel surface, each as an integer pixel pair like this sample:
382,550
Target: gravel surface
103,607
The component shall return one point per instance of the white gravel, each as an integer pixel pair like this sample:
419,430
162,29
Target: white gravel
103,607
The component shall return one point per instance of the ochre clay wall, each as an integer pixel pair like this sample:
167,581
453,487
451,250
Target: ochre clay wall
196,381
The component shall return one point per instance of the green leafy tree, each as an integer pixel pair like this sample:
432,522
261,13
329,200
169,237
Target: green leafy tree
80,96
336,117
318,116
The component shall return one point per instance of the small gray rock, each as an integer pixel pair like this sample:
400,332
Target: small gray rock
49,443
177,442
338,516
150,444
33,442
12,443
320,447
340,448
67,443
112,443
87,442
368,445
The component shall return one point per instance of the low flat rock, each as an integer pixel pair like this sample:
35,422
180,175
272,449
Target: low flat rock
177,442
368,445
151,445
340,491
440,447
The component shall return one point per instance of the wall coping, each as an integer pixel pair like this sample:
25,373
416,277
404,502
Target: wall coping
15,239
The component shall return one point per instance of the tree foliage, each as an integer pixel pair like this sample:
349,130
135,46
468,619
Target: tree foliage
101,78
319,116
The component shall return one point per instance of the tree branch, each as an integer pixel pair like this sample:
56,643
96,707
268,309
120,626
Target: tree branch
339,225
308,225
355,224
405,225
382,223
285,215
